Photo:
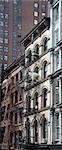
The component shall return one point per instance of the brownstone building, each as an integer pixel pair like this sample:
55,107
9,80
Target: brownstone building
17,17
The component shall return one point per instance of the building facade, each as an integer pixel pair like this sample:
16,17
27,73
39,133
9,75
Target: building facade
31,104
15,22
11,107
56,71
37,90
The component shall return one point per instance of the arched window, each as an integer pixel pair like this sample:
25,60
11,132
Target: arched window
36,74
45,69
29,56
20,75
27,126
36,52
43,124
28,76
28,103
45,44
35,129
36,100
44,97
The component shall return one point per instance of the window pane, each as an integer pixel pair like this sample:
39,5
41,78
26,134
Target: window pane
1,57
35,13
6,41
5,57
1,23
5,66
1,48
1,40
36,5
6,49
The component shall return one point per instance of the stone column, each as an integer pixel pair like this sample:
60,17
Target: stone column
60,90
60,20
60,134
52,133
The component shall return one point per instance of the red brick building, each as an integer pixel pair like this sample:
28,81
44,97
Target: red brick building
17,17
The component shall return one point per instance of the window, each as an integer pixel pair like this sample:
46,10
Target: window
1,40
1,7
6,41
1,48
16,118
13,58
20,136
56,92
20,74
28,103
16,96
45,44
1,57
45,97
56,36
5,49
15,140
5,66
6,24
5,57
27,126
29,56
15,17
36,5
20,97
20,116
5,32
11,138
43,5
14,43
14,51
36,52
57,126
12,80
43,123
6,7
15,1
11,117
14,34
35,13
6,16
1,23
2,131
1,15
15,10
2,113
19,26
36,100
57,59
36,74
56,13
35,129
35,21
45,69
17,77
43,14
14,26
20,10
1,31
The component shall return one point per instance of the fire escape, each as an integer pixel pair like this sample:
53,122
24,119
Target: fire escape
6,122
